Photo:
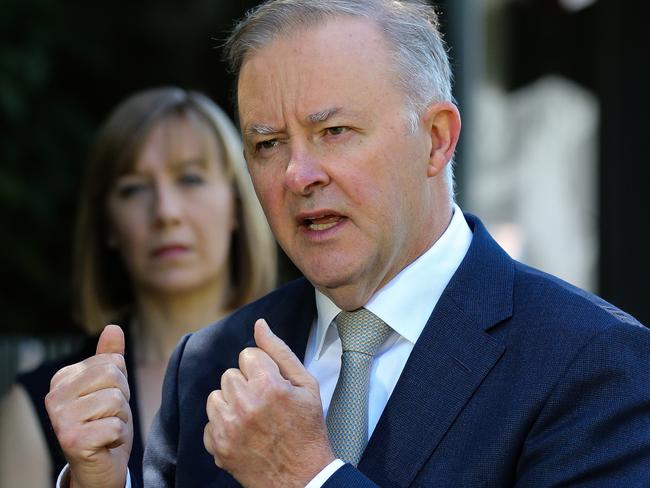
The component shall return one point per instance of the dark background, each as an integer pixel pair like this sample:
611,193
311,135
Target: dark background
65,64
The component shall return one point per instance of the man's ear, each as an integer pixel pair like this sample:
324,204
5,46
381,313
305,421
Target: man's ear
442,121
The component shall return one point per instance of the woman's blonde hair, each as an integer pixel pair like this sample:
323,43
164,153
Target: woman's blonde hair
103,291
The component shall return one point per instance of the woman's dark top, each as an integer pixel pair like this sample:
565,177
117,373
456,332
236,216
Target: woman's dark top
37,384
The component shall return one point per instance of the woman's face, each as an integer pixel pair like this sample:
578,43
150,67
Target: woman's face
172,216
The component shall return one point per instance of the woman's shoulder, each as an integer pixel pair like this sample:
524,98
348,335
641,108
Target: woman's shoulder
37,381
23,444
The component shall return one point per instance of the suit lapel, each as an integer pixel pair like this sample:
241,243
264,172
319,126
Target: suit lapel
451,358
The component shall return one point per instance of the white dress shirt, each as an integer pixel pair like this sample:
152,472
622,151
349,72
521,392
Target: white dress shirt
405,303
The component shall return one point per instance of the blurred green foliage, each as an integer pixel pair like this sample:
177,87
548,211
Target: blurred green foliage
63,66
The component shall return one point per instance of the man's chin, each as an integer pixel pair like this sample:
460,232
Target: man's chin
327,279
347,294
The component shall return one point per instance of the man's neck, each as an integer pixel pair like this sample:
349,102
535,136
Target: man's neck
356,294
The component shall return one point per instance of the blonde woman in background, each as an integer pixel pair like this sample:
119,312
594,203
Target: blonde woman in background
170,237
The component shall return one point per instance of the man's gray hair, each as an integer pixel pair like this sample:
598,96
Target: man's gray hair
410,27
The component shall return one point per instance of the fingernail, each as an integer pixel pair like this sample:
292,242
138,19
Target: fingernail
265,327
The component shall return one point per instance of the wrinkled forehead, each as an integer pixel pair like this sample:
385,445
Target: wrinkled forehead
296,31
317,66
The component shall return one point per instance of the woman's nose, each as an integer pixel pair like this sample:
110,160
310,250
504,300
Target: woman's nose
168,206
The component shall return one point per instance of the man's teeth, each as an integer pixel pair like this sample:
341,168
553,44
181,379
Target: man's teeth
323,222
314,226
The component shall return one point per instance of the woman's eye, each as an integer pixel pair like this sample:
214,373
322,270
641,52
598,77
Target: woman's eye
192,179
127,190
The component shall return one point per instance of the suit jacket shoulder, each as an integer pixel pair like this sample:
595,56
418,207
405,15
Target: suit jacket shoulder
518,379
175,454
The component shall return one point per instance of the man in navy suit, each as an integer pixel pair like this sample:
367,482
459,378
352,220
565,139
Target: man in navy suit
489,374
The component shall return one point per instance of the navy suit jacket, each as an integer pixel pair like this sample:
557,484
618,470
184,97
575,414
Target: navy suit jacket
517,380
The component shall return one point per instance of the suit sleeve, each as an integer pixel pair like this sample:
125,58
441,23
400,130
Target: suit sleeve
594,428
159,465
347,476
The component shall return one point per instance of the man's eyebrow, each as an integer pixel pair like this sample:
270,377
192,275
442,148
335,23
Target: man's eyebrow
315,118
322,115
260,130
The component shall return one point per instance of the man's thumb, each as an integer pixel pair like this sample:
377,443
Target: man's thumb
111,340
290,366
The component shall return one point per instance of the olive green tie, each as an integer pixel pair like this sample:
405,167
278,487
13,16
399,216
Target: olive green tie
362,334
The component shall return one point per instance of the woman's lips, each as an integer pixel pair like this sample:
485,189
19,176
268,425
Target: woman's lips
169,251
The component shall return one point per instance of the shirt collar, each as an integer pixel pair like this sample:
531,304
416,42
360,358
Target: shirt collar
406,302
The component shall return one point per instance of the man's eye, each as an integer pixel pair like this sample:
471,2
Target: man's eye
266,145
336,131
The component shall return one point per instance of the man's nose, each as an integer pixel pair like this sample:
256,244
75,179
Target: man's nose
305,172
168,207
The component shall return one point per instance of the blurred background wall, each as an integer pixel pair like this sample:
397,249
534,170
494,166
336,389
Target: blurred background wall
553,154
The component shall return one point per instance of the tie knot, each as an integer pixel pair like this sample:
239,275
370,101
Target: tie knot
361,331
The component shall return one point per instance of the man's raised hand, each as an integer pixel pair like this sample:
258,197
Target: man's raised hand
266,424
88,405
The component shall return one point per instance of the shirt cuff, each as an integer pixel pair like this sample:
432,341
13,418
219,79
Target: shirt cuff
63,481
320,479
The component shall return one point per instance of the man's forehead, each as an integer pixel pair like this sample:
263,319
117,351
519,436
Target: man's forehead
313,75
265,99
321,36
